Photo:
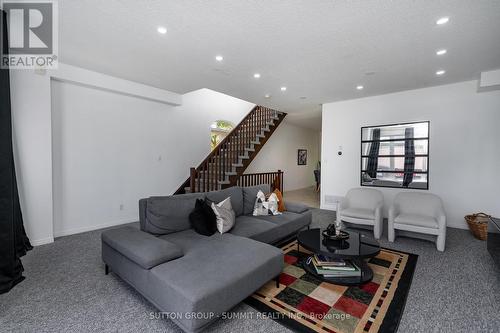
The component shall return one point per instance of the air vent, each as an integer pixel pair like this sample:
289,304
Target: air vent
489,81
332,199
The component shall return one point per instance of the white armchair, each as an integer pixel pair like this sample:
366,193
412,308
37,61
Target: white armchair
418,212
363,206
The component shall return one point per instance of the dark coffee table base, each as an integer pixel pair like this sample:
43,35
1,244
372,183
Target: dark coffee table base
366,274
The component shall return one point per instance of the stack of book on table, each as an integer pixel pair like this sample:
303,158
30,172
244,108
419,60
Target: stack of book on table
330,267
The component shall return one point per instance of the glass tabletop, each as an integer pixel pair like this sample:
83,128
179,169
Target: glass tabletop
356,246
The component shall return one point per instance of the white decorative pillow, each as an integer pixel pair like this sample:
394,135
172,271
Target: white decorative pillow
225,215
265,206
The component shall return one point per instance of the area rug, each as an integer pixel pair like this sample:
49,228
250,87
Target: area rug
306,304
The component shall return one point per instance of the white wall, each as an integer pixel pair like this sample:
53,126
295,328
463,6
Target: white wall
109,135
30,96
464,144
110,150
280,152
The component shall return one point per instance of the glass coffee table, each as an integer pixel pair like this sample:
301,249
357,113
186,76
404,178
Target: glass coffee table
356,248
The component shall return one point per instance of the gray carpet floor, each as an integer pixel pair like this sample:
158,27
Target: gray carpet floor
66,291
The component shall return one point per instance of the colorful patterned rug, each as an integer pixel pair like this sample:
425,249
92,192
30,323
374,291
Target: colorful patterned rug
306,304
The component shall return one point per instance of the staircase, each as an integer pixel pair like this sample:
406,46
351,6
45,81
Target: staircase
224,166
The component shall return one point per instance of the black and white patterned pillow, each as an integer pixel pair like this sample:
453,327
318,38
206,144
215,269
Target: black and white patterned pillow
265,206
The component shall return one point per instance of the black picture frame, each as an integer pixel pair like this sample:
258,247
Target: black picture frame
301,156
428,138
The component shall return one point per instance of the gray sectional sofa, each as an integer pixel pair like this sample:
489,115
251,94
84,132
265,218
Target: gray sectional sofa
194,278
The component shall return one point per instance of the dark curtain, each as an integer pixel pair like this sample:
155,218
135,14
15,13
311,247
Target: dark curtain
409,157
371,168
13,240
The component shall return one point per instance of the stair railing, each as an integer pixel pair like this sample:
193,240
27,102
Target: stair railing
274,179
207,176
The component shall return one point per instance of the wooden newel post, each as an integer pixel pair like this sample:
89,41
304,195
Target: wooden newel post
277,181
192,177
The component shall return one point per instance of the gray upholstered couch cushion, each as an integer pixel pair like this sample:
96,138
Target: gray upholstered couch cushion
234,192
142,248
215,274
286,224
270,229
164,215
249,196
249,226
296,207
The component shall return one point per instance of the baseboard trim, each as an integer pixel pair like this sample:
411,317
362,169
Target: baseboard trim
328,206
42,241
79,230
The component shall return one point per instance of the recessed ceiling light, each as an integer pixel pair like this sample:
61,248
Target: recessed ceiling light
283,88
302,97
162,30
219,58
440,72
267,96
443,20
256,75
441,52
360,87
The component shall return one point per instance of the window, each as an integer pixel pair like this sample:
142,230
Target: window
395,155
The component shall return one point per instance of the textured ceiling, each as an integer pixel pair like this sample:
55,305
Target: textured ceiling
320,50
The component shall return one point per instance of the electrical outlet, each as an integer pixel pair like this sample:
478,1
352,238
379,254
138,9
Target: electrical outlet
122,206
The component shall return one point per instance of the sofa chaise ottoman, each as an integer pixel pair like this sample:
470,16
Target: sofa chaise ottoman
193,277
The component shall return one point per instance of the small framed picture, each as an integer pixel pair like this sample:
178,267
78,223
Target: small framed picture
302,157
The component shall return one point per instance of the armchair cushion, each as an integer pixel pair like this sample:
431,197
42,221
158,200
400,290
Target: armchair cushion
417,220
418,203
365,198
142,248
361,213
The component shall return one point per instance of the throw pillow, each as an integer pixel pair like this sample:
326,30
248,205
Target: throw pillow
266,206
281,202
203,219
225,215
209,214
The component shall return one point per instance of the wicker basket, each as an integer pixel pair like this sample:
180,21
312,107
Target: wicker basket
478,225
